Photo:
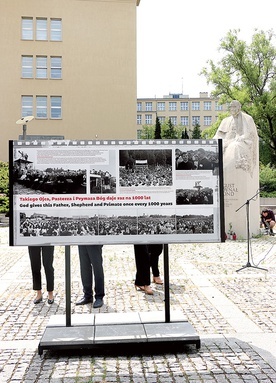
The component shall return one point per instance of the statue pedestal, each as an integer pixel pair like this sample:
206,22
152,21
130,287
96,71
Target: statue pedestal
239,187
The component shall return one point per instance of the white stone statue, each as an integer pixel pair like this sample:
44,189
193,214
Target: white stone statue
240,169
240,138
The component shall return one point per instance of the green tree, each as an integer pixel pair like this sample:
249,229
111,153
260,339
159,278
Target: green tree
185,134
4,187
157,131
168,130
147,132
247,72
196,132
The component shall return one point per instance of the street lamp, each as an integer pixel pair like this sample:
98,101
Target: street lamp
23,121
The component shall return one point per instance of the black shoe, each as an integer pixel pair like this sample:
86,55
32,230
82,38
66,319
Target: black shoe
50,301
84,301
98,303
36,301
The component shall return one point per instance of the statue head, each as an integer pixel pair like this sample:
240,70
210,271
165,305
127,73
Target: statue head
235,108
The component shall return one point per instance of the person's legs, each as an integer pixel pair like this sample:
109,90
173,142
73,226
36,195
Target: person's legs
86,272
96,259
35,259
48,259
142,261
154,259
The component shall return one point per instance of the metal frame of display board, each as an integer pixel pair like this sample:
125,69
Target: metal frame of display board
103,330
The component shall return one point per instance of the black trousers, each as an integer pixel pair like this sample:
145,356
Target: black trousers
91,261
142,260
47,255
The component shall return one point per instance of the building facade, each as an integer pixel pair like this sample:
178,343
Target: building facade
183,111
72,65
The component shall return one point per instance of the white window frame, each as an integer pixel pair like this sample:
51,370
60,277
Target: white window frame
27,66
207,120
149,106
161,106
41,107
56,30
139,106
27,106
56,106
184,121
148,119
195,105
41,67
139,119
172,105
207,105
27,28
173,120
56,67
41,29
184,105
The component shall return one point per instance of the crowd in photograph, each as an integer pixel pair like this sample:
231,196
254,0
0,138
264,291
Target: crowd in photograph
156,225
194,197
42,225
159,175
195,225
52,180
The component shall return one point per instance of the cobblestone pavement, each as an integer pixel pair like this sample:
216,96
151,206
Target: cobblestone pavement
234,313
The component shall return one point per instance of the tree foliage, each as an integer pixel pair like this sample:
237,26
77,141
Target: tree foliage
196,132
247,72
157,131
4,187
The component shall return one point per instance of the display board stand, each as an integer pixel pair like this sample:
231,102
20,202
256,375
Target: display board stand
104,330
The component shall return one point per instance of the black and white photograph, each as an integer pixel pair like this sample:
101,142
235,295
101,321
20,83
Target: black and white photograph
145,168
195,223
190,158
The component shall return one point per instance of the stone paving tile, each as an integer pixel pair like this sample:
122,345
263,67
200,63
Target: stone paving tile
221,358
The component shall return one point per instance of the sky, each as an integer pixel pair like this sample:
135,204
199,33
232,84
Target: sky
176,38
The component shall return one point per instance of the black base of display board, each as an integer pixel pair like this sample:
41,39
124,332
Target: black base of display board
111,331
105,330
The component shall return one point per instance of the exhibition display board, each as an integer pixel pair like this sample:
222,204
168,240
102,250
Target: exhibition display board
66,192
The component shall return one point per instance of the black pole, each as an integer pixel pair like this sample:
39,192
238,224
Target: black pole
68,285
166,283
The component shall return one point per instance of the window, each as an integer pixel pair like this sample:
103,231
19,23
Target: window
41,29
139,106
41,67
27,28
139,134
218,106
41,106
184,120
27,66
172,105
26,106
148,119
207,105
207,120
55,67
195,120
195,106
55,30
184,105
139,119
161,106
173,120
55,107
148,106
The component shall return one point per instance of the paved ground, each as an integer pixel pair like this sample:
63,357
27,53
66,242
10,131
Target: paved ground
234,313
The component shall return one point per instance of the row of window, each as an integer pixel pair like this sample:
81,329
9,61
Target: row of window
184,105
41,29
184,120
44,106
40,64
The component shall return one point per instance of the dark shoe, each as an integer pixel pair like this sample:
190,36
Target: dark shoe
98,303
50,301
36,301
84,301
